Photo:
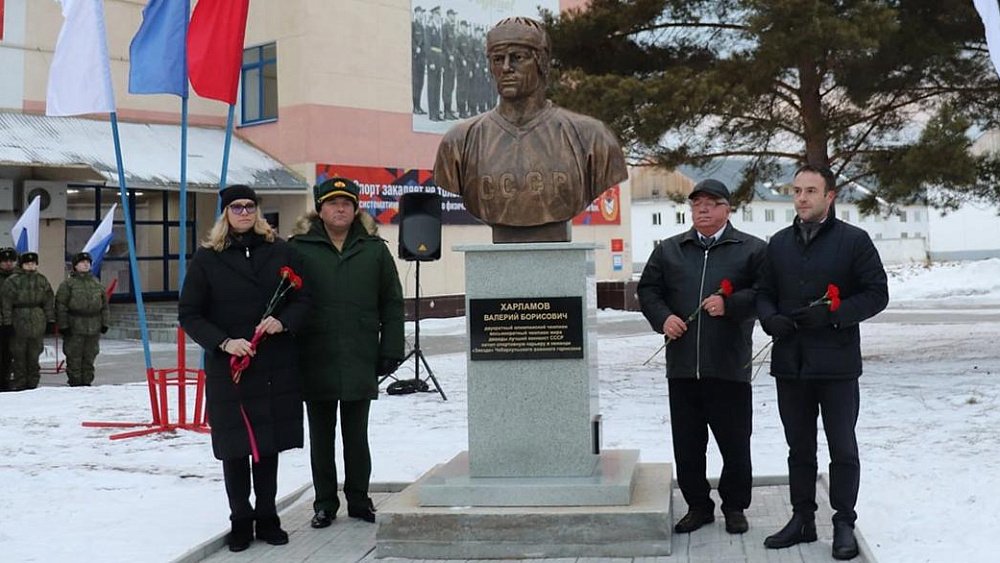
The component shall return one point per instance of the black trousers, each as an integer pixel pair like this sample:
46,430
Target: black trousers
725,407
265,486
6,361
838,401
322,453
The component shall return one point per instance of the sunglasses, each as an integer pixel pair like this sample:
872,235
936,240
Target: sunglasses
240,209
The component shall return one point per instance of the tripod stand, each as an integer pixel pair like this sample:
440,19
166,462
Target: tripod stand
416,353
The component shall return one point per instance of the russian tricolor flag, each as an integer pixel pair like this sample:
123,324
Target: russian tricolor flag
99,242
25,231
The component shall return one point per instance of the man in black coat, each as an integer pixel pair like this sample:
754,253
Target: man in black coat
816,361
698,289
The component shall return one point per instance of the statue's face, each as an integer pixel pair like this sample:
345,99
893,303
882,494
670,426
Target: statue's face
515,71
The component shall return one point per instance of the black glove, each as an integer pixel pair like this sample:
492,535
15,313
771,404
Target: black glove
778,326
64,331
104,330
6,330
50,327
817,316
387,366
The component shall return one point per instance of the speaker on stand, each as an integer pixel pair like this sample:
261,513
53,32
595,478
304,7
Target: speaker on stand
419,241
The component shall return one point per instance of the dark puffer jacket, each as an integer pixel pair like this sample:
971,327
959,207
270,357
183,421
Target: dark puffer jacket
224,296
678,276
797,274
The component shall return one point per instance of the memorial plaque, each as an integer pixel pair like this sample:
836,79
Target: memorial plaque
537,328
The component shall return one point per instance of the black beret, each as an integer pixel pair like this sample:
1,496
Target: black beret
238,191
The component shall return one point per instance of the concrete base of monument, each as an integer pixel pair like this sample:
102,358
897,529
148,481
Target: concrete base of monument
609,484
641,528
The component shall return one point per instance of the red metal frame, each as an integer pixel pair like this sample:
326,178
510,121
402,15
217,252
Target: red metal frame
158,381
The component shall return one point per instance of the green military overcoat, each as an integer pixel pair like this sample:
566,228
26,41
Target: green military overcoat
357,311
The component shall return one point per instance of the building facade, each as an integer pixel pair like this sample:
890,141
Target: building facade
327,87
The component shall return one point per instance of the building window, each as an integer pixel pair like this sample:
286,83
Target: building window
259,80
680,218
902,215
845,215
903,235
656,219
789,215
748,214
916,215
769,215
878,236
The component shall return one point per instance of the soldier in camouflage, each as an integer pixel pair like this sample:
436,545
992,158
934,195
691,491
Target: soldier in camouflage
8,264
26,305
82,317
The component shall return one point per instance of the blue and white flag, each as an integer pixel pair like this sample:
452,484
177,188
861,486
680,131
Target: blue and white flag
99,242
80,75
989,11
158,53
25,231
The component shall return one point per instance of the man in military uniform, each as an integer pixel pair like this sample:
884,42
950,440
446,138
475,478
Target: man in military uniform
8,265
527,167
26,305
418,56
449,45
435,62
463,70
82,316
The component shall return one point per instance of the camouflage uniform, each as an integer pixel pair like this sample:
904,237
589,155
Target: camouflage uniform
6,333
26,304
82,316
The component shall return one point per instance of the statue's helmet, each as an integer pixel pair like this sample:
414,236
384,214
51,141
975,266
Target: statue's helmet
522,31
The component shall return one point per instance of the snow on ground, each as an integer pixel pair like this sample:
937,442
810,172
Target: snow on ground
929,444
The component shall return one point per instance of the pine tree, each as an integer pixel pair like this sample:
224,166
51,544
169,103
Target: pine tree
888,93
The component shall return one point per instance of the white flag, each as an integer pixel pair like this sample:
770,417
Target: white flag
25,231
989,11
99,242
80,75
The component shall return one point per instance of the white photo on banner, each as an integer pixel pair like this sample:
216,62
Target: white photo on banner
450,78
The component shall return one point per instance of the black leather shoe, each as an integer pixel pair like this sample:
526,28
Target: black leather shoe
845,546
736,522
694,519
800,529
240,534
364,512
323,518
269,530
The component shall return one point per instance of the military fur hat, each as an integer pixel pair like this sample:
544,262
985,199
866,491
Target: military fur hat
336,187
8,253
80,257
26,257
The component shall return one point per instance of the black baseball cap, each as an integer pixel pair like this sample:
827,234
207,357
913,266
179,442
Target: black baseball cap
710,187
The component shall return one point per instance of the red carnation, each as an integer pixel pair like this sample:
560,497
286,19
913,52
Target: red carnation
725,290
831,298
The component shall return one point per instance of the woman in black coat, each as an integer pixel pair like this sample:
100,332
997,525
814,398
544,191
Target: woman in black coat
226,291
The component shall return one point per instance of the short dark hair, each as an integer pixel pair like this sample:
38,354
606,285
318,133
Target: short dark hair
829,179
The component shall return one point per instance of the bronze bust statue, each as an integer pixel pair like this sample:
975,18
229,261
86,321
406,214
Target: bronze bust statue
527,167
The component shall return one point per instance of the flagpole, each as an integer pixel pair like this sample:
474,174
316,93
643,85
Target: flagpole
225,152
182,239
130,237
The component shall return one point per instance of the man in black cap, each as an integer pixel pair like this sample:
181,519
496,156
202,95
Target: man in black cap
82,316
435,64
26,306
8,266
449,44
418,57
698,290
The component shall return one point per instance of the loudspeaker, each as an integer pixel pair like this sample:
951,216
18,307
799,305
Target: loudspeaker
420,226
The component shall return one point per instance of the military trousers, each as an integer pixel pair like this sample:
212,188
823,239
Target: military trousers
24,353
6,361
357,456
81,351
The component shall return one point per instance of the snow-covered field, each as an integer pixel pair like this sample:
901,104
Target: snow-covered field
928,431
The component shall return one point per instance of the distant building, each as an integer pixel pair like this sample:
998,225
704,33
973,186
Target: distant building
900,234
